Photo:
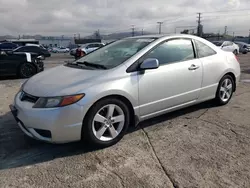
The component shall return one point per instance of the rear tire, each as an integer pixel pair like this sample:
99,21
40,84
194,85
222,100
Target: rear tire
26,70
225,90
106,122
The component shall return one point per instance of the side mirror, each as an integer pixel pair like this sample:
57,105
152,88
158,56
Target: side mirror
150,63
3,53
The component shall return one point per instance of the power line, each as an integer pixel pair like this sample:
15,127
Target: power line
226,11
160,23
223,15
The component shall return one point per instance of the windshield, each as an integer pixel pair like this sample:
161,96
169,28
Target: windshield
218,43
116,53
18,48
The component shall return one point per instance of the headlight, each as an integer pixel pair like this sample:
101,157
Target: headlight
52,102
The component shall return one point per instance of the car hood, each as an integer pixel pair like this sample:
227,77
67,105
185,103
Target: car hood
61,81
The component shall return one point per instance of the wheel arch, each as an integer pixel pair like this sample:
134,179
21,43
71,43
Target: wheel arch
234,79
133,120
20,64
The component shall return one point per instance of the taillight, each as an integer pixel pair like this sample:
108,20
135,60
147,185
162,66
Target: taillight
236,58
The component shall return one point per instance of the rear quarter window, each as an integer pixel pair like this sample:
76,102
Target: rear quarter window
203,50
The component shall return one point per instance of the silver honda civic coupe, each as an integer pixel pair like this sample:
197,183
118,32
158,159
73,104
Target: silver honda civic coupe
98,96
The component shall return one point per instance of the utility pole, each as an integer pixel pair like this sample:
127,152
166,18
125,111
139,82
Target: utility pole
133,30
142,32
218,35
249,37
79,36
225,32
199,31
160,23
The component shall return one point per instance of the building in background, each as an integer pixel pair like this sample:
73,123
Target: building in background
56,41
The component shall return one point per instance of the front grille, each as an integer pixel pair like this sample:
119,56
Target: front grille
27,97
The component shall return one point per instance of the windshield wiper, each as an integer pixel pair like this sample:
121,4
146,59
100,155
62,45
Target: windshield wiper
91,65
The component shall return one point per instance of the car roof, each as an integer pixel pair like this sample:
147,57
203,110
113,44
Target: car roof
91,43
240,42
220,41
156,36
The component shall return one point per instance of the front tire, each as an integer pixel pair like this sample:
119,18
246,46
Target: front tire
106,122
235,52
225,90
26,70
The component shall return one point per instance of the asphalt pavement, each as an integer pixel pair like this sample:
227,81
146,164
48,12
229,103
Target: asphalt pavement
200,146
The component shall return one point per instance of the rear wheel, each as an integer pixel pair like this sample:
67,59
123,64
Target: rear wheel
26,70
225,90
106,122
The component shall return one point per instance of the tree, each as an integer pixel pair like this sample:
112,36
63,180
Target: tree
185,31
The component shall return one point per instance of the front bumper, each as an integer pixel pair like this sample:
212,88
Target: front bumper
40,66
55,125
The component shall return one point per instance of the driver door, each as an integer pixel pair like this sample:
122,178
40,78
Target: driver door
176,82
7,64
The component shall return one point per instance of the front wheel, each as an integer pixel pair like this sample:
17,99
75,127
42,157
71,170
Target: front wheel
225,90
106,122
235,52
26,70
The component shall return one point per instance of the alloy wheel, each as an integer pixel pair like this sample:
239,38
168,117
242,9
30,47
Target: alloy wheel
226,90
27,70
108,122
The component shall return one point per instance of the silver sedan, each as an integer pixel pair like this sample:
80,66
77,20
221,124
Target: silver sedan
98,96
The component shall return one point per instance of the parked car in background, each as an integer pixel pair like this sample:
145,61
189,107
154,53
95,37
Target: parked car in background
228,46
244,47
60,50
7,46
87,48
21,64
73,51
99,101
38,45
33,49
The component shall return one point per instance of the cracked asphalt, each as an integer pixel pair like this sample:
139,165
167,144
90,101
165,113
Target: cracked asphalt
200,146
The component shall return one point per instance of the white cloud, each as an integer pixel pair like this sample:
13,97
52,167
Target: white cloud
67,17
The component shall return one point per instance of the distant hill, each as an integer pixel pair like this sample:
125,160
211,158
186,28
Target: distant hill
120,35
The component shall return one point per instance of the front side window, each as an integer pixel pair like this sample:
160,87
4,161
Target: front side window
173,51
203,50
20,49
116,53
226,43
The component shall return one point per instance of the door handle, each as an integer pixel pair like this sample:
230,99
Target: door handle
193,67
